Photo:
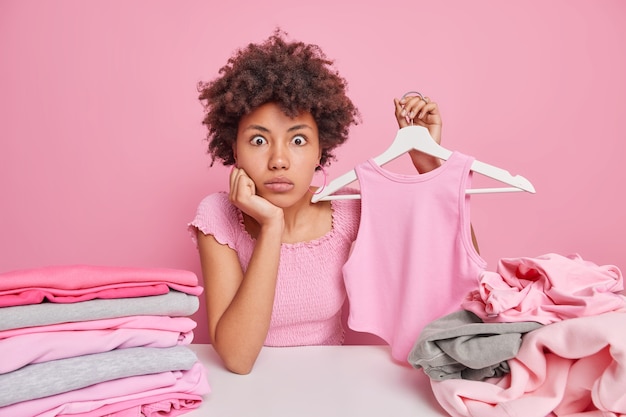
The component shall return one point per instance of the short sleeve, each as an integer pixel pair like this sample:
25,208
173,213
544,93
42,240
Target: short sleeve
347,214
216,216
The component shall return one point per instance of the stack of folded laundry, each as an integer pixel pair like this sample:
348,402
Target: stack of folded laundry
84,340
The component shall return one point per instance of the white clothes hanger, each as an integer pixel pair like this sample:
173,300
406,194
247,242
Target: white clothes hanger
417,138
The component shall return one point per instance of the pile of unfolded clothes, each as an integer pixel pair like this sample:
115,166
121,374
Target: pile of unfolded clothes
541,336
84,340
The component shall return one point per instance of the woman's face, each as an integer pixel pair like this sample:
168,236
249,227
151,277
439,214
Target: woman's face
279,153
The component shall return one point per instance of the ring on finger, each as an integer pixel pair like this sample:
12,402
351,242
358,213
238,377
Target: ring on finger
417,93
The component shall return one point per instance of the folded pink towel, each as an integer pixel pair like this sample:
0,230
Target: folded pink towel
74,283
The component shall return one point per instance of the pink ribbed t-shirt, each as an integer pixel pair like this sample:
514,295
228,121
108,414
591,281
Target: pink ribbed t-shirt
413,260
310,292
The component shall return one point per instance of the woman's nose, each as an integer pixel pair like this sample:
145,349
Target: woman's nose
279,158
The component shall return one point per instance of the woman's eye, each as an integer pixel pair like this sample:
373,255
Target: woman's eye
298,140
258,140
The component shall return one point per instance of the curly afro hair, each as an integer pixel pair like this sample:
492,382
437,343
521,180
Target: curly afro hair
296,76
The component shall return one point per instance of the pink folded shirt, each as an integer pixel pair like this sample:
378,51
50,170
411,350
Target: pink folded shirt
42,347
75,283
166,323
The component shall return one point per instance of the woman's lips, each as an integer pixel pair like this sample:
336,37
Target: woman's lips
279,185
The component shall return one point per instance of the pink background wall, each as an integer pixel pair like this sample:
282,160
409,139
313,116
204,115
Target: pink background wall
102,158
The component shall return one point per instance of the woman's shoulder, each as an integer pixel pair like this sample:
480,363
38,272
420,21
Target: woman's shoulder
347,212
215,201
349,203
217,206
216,216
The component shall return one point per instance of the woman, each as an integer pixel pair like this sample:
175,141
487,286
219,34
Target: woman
271,260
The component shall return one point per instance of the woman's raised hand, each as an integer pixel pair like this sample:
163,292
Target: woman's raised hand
419,110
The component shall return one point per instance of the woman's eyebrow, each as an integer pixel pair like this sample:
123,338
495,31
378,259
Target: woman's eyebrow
266,130
257,127
298,127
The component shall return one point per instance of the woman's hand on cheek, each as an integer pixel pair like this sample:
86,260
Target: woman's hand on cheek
243,196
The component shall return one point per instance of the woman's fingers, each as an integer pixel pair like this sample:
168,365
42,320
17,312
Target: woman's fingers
400,113
241,185
410,108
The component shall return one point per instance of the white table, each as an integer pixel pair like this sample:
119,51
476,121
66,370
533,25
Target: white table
317,381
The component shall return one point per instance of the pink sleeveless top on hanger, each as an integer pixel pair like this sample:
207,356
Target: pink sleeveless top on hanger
413,260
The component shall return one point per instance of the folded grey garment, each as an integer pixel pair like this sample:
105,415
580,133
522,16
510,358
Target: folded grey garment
63,375
174,304
460,345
